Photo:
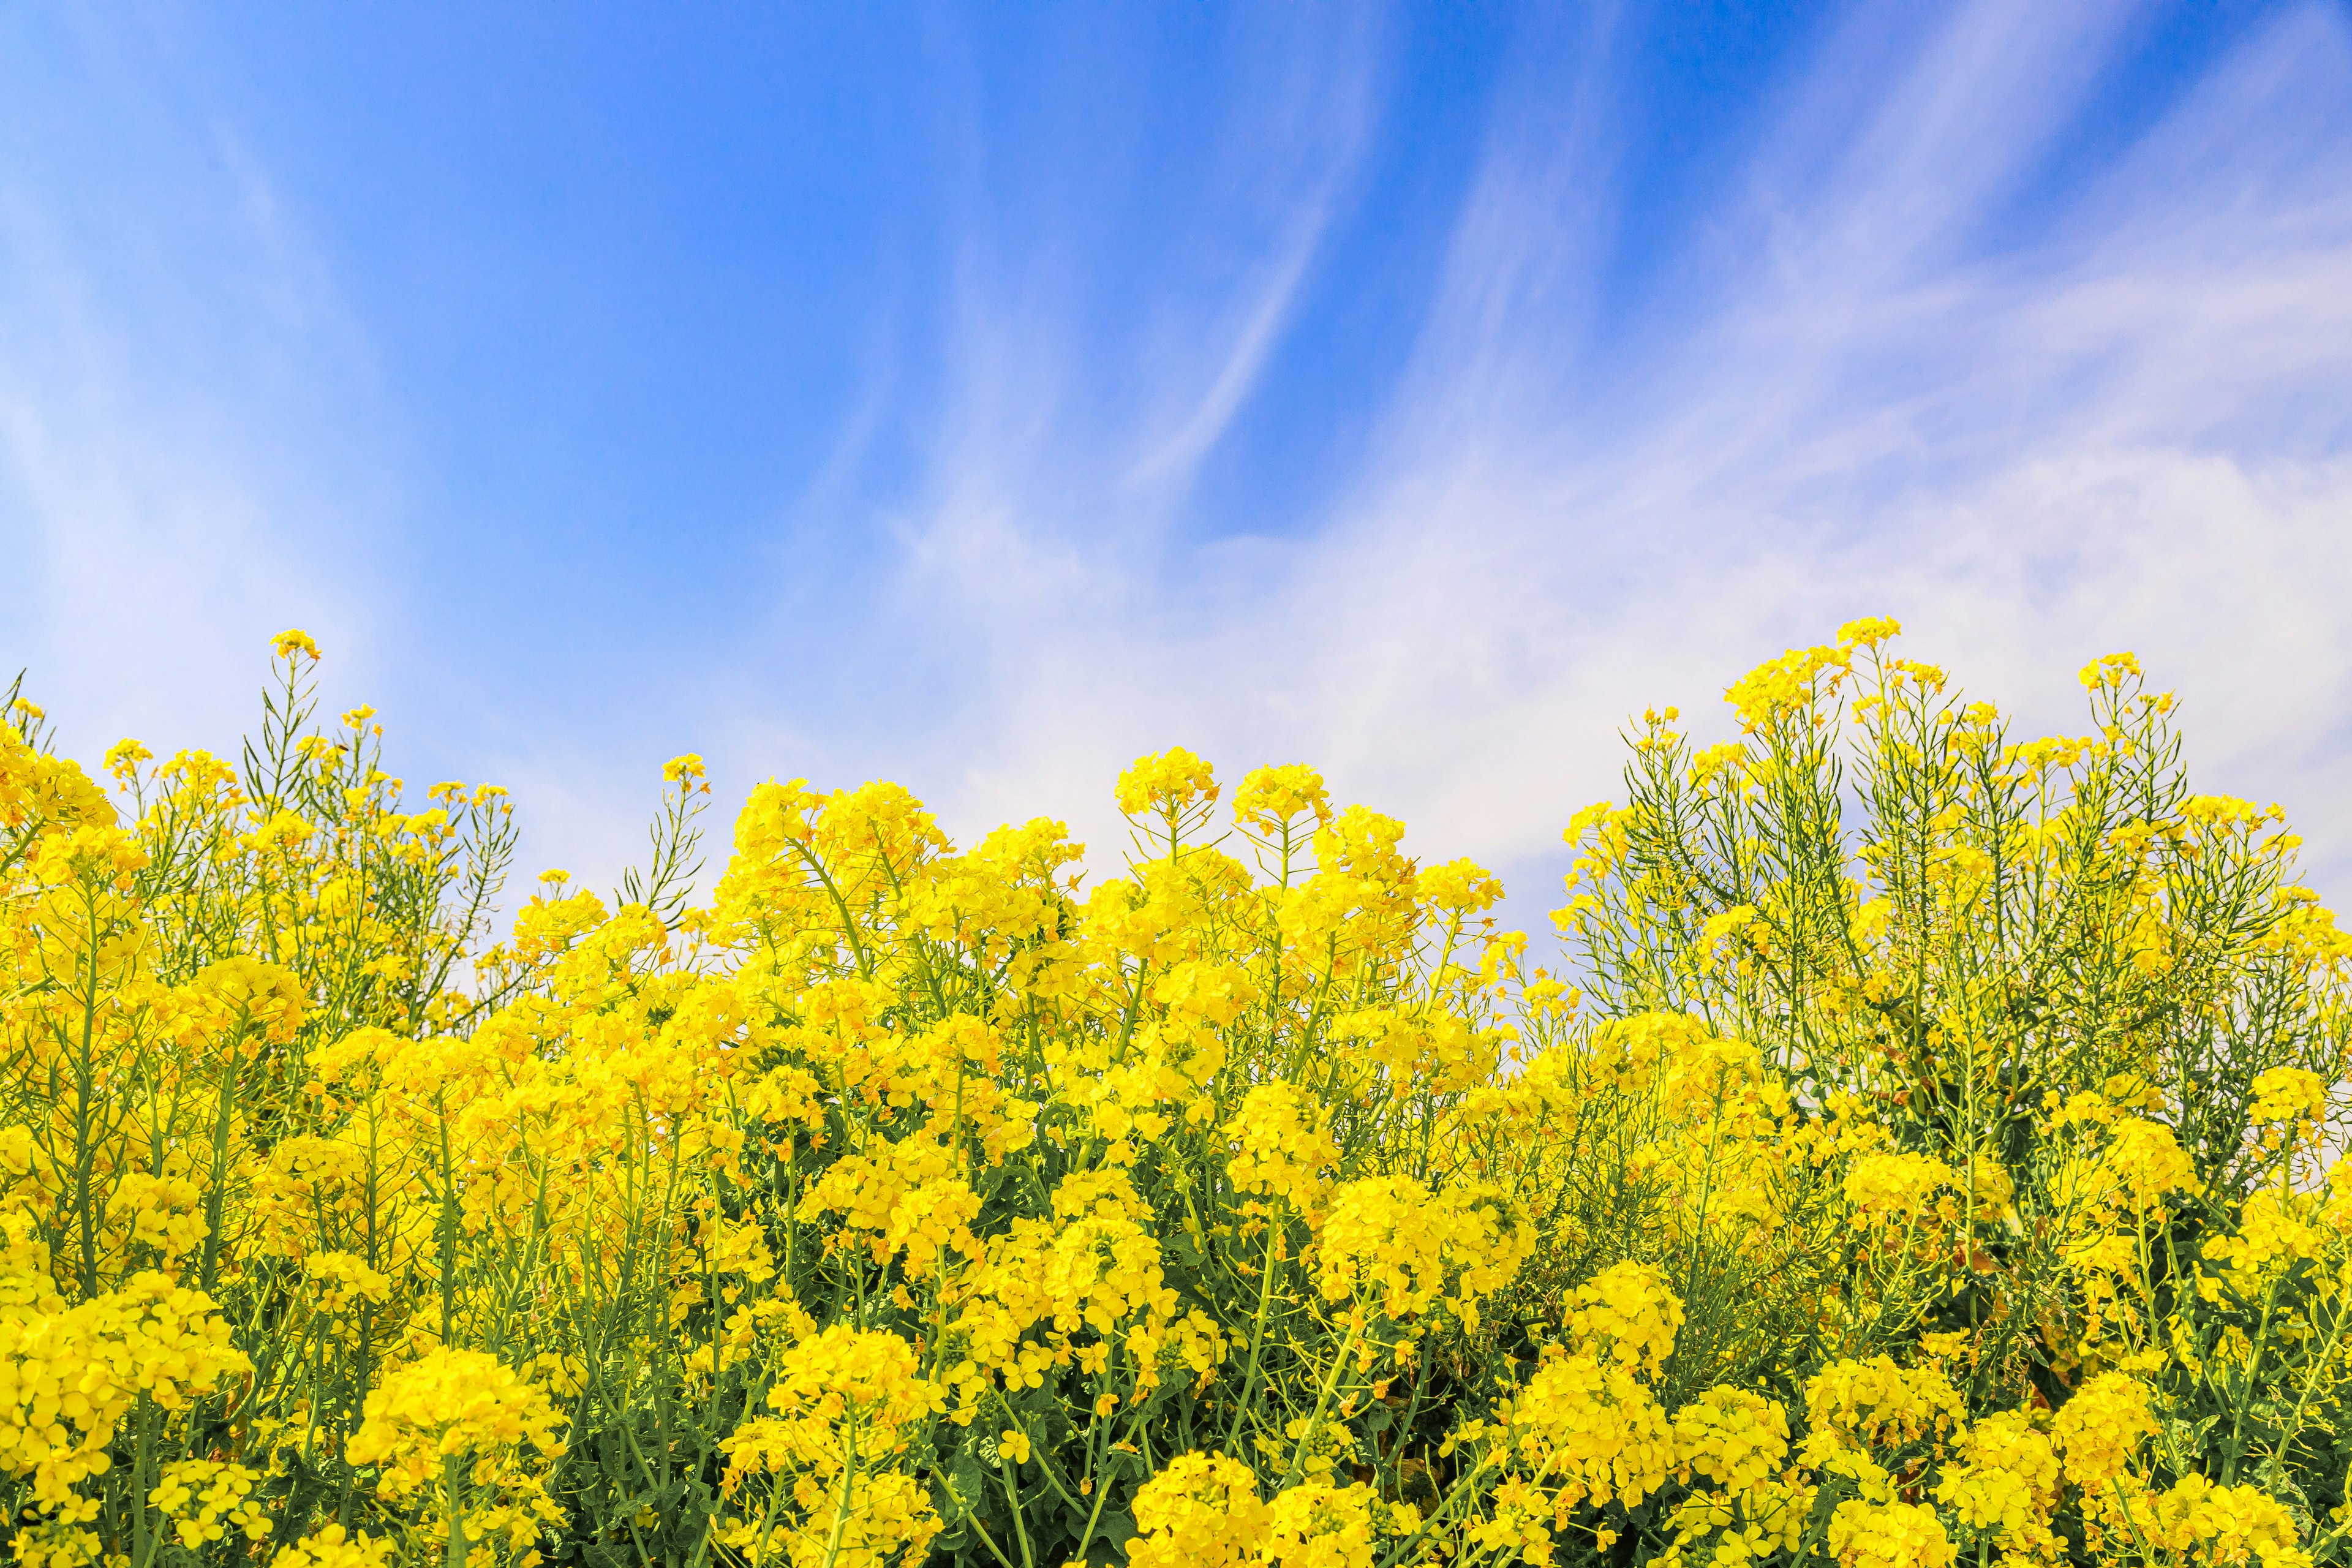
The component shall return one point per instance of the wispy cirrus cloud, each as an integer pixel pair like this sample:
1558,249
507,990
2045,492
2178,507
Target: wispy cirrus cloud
2114,416
1223,387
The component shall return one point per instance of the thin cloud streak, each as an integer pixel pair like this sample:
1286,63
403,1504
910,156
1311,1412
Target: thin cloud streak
2035,452
1296,169
1866,385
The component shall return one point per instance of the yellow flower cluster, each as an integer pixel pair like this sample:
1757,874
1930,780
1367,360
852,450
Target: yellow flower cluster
462,1430
335,1547
1203,1510
1921,1153
848,1403
1392,1244
69,1376
207,1498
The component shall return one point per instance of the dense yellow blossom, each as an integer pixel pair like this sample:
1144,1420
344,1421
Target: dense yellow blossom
1888,1535
207,1499
2100,1429
1919,1154
1201,1510
334,1547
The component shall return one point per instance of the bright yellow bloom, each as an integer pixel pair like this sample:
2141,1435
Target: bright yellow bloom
1200,1511
2287,1094
2101,1428
207,1499
2234,1526
913,1198
450,1403
333,1547
1278,1149
1165,783
1272,796
1889,1535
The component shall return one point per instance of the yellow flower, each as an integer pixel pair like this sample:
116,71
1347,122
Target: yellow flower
1731,1436
1316,1525
2109,670
1279,1147
158,1212
108,857
343,1279
1786,684
1165,784
1592,1429
1895,1188
122,759
2146,1162
1392,1243
1889,1535
2287,1094
1460,887
842,1397
1271,797
2100,1429
1626,1314
2207,1522
1724,925
1880,1404
1200,1511
450,1403
1868,632
2007,1484
68,1376
333,1547
207,1498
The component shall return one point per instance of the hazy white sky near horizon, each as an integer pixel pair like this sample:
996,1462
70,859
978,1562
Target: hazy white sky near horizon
980,402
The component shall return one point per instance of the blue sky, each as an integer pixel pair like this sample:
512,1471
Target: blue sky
980,396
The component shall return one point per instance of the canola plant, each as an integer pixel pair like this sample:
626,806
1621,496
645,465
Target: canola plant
1921,1153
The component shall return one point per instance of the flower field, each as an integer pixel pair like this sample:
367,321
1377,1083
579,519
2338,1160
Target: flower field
1913,1148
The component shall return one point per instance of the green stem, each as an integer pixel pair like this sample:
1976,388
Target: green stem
1257,1336
1322,1404
1013,1496
453,1471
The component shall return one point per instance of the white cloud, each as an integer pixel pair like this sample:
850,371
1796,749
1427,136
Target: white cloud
2128,428
1872,390
172,491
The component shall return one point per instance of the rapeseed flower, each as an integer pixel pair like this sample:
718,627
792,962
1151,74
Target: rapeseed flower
1919,1154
